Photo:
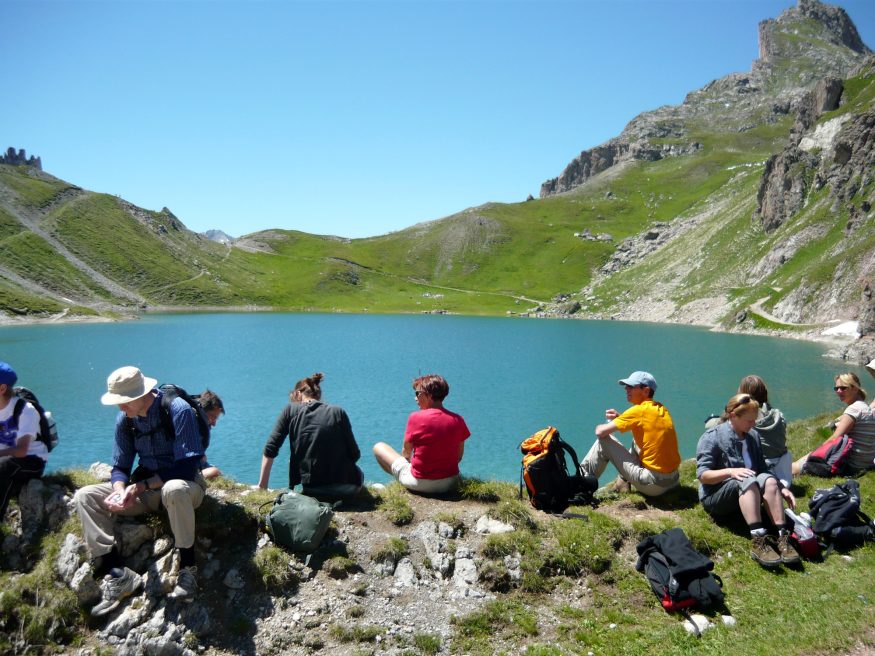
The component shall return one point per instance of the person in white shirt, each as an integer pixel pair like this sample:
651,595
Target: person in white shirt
22,455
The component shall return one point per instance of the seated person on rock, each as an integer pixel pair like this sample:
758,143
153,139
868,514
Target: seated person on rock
22,455
213,408
434,442
167,476
857,422
735,479
324,452
651,465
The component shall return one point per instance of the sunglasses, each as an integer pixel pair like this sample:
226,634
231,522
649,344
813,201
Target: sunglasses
840,388
417,393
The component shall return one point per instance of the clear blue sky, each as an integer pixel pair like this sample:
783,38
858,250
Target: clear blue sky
349,118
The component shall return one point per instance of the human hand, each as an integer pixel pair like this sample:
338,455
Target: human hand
114,502
611,414
788,495
740,473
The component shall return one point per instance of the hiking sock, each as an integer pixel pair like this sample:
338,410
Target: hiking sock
107,562
186,557
758,529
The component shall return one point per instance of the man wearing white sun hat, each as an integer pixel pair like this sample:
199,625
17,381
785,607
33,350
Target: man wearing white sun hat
167,475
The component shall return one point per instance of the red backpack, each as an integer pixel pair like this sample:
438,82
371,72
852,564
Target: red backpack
830,458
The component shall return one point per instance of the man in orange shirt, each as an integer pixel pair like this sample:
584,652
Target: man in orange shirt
651,465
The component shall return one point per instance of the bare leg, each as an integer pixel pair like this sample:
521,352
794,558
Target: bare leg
797,466
385,456
749,501
774,502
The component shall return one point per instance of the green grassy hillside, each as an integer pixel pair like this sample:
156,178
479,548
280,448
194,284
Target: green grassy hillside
64,247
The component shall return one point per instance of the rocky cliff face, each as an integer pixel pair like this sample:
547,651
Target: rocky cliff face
740,100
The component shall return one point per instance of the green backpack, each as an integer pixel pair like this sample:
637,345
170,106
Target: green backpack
298,522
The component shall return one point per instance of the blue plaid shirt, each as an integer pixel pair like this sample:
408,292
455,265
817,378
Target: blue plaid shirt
173,458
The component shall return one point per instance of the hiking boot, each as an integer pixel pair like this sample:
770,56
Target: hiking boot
762,552
789,555
186,585
116,586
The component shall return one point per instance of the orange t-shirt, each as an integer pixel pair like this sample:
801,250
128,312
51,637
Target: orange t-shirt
653,431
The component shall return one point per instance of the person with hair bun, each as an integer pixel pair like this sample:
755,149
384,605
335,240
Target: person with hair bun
434,442
857,422
323,448
734,477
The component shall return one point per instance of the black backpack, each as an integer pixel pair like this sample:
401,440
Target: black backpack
544,471
48,431
680,577
172,392
838,519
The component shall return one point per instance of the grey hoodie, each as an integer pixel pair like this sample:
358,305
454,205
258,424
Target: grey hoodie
772,428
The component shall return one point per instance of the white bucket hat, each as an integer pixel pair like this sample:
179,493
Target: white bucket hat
125,385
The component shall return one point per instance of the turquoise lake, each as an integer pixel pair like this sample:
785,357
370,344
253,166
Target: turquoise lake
508,377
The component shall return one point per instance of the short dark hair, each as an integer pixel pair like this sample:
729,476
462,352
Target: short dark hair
209,400
433,385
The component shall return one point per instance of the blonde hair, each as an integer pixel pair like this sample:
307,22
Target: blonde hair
850,380
738,405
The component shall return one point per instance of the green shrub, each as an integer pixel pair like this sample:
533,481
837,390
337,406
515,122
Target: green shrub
394,503
427,643
272,564
391,551
367,633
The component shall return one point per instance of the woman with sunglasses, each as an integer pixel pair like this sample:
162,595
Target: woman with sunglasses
434,442
323,448
857,422
734,478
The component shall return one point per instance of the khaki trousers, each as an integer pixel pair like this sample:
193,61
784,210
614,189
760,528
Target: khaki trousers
179,498
611,450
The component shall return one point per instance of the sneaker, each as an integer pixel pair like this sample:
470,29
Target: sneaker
762,552
116,586
186,585
789,555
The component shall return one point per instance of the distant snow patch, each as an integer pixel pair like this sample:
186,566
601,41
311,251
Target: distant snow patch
747,165
824,134
846,329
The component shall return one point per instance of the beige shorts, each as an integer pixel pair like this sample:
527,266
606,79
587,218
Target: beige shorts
401,471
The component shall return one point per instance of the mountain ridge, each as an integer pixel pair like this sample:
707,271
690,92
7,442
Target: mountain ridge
749,202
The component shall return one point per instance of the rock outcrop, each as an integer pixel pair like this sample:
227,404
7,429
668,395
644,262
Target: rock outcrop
20,158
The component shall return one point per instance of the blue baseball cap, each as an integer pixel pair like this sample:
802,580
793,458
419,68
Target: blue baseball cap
7,375
639,378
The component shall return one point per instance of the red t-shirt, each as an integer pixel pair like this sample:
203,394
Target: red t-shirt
435,435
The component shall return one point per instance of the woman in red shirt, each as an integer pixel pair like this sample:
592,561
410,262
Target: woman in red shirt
434,442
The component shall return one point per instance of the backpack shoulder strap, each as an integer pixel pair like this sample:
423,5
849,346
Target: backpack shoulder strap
167,413
18,409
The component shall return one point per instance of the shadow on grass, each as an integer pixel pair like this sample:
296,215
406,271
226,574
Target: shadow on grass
681,497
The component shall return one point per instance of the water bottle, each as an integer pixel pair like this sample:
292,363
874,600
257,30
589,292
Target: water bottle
804,519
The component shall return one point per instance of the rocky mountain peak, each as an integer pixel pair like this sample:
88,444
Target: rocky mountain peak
837,27
800,48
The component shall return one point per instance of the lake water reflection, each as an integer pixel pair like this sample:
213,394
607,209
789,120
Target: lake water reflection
508,377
